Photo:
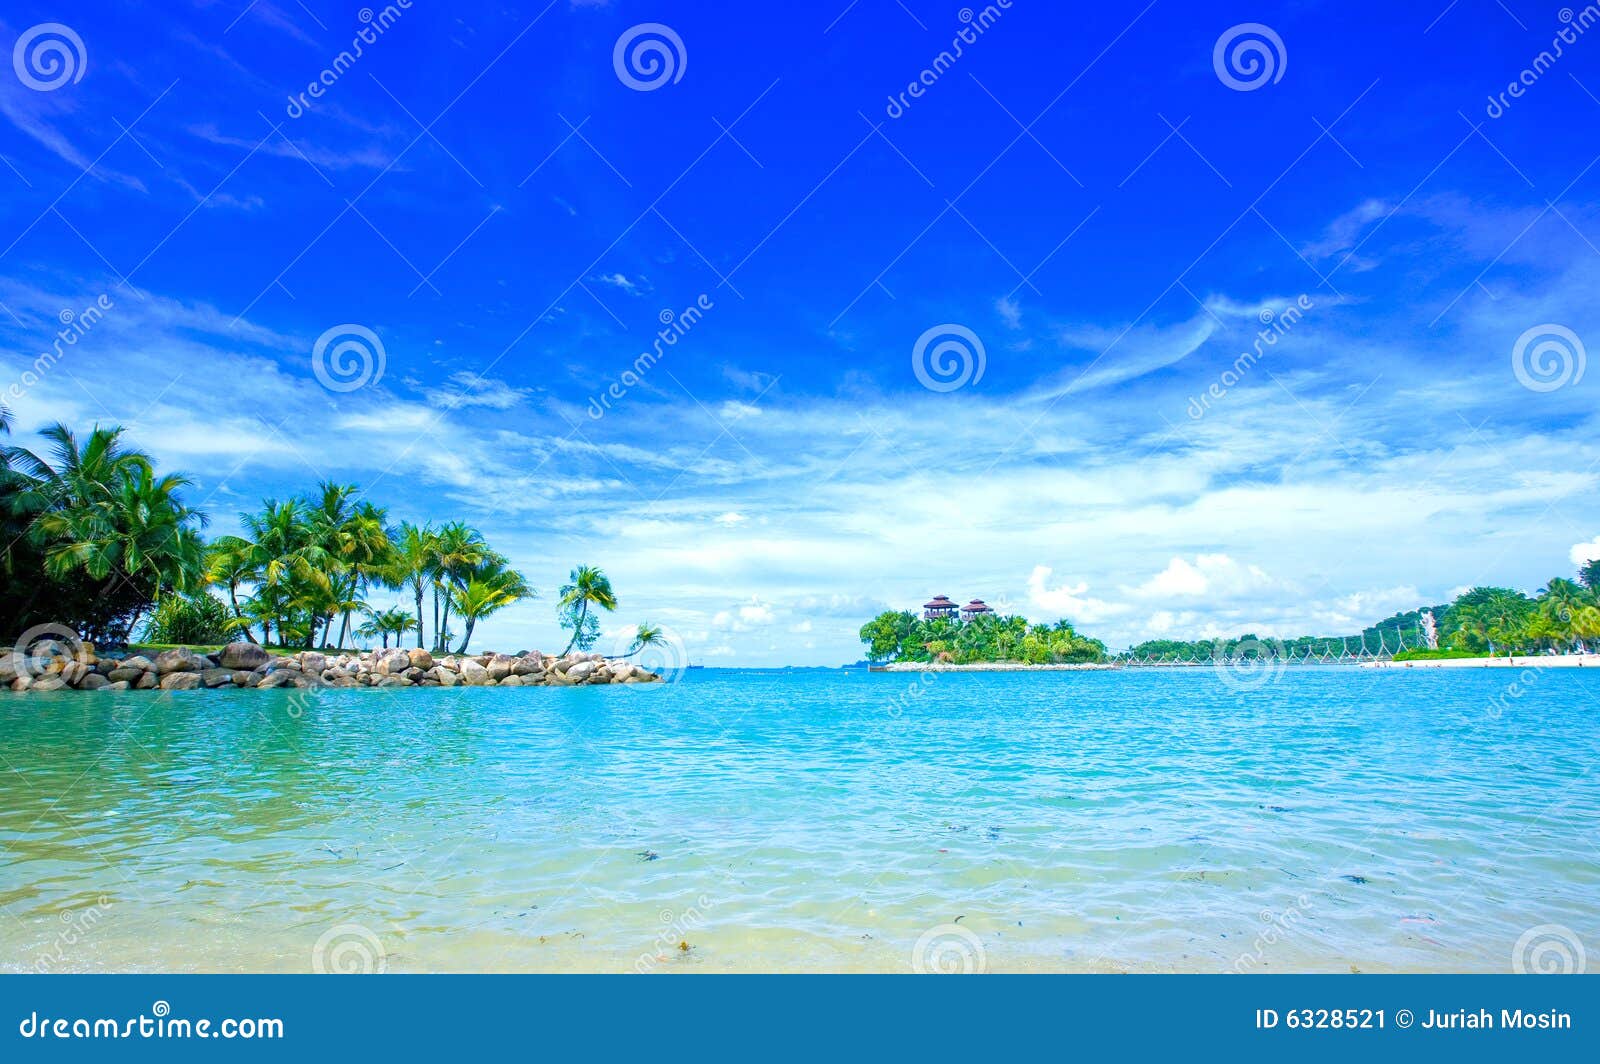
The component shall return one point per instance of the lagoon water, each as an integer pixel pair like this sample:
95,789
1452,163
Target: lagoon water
1326,820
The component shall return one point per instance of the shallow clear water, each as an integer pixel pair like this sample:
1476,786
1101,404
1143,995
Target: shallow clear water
1386,820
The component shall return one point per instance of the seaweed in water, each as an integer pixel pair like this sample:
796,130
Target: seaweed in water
649,855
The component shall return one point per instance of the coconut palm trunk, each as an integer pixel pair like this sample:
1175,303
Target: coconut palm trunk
577,629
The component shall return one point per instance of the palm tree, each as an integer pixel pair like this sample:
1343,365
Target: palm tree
646,635
393,621
589,585
457,549
232,562
100,513
411,564
490,587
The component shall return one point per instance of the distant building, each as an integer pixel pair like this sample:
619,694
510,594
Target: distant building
974,609
940,607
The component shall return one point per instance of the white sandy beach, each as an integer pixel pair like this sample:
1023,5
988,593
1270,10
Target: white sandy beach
1537,661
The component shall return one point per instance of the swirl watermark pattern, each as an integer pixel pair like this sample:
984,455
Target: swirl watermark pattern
43,651
648,56
1548,357
349,949
1549,949
1249,664
1249,56
949,949
50,56
948,357
348,357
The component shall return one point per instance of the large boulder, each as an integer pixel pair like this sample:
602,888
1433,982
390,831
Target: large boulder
137,661
473,674
312,663
73,672
279,678
124,674
243,656
390,662
49,682
93,682
217,677
146,681
180,681
500,666
528,664
177,660
443,676
420,659
581,671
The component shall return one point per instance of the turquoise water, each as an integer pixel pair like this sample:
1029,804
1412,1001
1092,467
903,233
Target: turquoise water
1134,821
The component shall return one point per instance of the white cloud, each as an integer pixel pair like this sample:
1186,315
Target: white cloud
1215,575
1070,602
1010,311
1584,553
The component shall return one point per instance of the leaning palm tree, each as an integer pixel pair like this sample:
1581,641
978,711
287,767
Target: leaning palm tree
589,586
491,587
646,635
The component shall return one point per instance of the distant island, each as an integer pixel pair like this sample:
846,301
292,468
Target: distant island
974,634
1563,618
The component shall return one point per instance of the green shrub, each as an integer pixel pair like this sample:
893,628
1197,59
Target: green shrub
190,619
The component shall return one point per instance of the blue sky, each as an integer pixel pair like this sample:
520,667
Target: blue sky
1110,214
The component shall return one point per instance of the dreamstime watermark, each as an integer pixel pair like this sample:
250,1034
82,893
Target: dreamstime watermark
1275,326
1249,664
49,56
1279,926
949,949
349,949
157,1023
348,357
1548,357
374,25
975,24
674,935
915,691
1576,25
948,357
75,325
1249,56
648,56
1549,949
675,326
78,925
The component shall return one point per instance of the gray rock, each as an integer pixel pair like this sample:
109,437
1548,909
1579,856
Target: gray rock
145,682
474,674
124,674
243,656
118,685
137,661
177,660
312,663
93,682
217,677
180,681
